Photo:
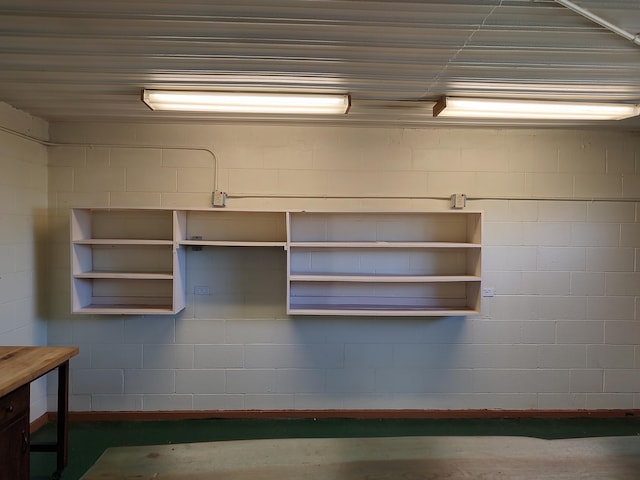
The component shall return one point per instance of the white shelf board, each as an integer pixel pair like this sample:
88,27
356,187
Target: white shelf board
379,310
383,278
126,275
124,309
121,241
228,243
383,245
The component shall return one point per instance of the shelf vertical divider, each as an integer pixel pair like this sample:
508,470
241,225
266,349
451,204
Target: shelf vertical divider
288,249
179,260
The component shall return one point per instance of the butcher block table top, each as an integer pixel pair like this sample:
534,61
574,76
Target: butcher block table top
21,365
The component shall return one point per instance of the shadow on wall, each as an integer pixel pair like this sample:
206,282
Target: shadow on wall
40,267
378,363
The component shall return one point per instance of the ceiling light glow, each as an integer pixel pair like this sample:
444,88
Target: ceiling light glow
531,109
246,102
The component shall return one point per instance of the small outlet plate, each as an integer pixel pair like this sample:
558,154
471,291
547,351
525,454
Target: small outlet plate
488,292
218,198
458,201
201,290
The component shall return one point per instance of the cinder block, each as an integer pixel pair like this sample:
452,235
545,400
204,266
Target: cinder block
598,186
288,158
609,401
550,185
562,308
269,402
253,181
622,333
167,356
89,381
74,157
557,211
149,381
580,332
192,180
562,401
115,356
301,380
162,179
622,283
218,402
136,330
167,402
99,179
595,234
219,356
257,381
610,308
200,381
562,356
187,158
561,258
294,356
621,381
582,159
138,159
116,403
556,234
352,380
306,182
98,330
610,212
610,356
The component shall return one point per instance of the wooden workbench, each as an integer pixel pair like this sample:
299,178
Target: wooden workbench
19,366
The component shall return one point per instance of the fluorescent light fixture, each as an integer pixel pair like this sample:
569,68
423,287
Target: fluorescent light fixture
246,102
531,109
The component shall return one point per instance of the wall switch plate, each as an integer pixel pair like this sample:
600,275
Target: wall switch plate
218,198
488,292
201,290
458,200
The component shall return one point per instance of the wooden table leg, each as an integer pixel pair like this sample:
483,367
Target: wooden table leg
62,423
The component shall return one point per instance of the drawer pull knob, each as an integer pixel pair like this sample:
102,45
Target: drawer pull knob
10,408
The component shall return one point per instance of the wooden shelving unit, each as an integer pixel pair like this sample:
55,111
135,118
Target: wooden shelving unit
133,261
125,262
392,264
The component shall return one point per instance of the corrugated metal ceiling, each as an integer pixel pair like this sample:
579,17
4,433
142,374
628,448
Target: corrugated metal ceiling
84,60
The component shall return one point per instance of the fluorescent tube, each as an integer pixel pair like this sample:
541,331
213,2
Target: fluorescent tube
246,102
531,109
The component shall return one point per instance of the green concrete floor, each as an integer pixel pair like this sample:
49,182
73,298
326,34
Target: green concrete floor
88,440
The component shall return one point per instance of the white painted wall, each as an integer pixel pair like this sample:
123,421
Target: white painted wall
23,238
562,332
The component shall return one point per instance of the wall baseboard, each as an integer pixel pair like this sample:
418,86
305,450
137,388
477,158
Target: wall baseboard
346,414
40,422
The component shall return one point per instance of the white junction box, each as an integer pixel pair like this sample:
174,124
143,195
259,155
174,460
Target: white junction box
218,198
458,201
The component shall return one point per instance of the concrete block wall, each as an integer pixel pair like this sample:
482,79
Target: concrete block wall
561,249
23,238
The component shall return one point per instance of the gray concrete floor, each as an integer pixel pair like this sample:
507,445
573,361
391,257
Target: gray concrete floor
406,458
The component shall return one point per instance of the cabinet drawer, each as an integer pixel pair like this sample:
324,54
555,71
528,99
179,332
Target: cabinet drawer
13,405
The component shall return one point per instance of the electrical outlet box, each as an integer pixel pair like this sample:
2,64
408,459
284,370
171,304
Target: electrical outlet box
219,198
201,290
458,201
488,291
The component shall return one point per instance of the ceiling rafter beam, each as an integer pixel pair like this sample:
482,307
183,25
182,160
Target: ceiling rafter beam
588,14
